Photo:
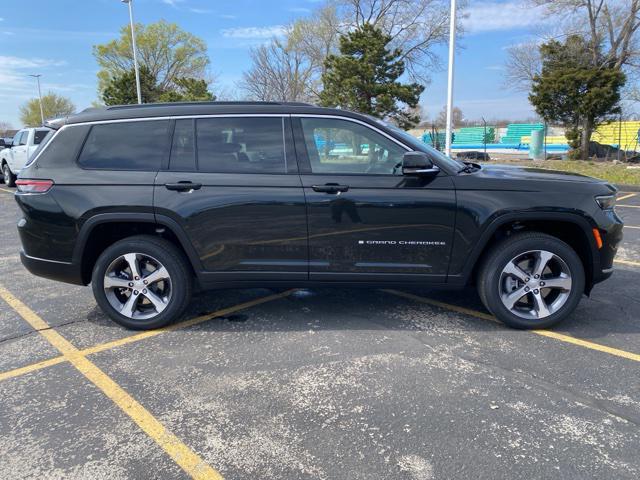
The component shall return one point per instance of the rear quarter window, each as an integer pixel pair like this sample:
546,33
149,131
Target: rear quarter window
138,145
61,149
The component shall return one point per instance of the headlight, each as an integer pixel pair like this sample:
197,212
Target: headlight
606,202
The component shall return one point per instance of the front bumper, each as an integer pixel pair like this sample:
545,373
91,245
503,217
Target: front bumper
53,270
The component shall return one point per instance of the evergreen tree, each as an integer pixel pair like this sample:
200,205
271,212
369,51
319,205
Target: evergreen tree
365,77
573,91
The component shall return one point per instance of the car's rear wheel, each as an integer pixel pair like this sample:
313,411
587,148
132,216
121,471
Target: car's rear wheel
142,282
9,177
531,280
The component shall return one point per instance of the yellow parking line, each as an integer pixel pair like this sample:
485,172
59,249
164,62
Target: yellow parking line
5,190
32,368
190,462
627,262
627,206
141,336
188,323
631,226
628,195
544,333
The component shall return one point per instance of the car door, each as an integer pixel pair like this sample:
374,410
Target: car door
232,185
18,156
368,222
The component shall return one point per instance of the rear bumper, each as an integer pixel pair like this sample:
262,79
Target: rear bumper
51,269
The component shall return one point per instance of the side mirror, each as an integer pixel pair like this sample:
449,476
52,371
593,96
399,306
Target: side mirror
418,163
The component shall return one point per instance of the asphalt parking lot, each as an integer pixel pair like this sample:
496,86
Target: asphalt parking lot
320,383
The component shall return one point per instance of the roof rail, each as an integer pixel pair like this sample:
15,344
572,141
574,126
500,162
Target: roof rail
169,104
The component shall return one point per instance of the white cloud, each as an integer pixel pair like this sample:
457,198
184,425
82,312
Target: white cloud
200,10
9,63
254,32
226,16
495,16
173,3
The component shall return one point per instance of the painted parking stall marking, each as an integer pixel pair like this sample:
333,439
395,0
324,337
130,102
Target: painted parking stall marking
544,333
186,458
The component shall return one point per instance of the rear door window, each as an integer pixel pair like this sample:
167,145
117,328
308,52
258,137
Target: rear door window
138,145
241,145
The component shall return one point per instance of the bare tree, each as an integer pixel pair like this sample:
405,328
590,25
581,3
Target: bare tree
523,63
4,128
278,73
609,26
416,27
316,37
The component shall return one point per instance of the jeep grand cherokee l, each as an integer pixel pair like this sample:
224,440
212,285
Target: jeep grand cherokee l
148,202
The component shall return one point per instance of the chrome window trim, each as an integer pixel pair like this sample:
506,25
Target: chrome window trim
226,115
353,120
178,117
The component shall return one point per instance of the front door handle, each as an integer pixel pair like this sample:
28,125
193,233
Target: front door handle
330,188
183,186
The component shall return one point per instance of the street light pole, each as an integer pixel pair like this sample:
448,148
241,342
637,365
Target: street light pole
135,50
452,47
37,77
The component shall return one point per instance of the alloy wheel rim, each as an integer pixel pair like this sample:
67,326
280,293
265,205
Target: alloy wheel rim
137,286
535,284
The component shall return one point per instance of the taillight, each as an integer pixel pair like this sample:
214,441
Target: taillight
33,186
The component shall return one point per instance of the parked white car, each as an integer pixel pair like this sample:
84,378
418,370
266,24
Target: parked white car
14,158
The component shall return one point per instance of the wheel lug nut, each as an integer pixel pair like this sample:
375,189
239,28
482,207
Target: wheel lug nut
131,284
144,291
536,276
542,284
145,282
527,279
526,289
135,292
137,278
536,291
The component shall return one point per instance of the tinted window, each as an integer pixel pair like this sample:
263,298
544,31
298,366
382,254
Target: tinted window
340,146
241,145
126,146
182,150
62,150
39,136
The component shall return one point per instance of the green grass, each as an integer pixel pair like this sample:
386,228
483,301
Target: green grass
614,173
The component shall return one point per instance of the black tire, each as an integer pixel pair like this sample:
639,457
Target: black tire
9,177
169,256
501,254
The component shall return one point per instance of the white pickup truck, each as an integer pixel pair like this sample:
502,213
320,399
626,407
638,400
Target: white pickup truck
14,158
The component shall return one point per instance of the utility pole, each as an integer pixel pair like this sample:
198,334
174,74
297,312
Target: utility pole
37,77
135,51
452,47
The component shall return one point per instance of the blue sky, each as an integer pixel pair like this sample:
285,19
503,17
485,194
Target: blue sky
54,38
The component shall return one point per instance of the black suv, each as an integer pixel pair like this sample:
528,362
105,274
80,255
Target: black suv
148,202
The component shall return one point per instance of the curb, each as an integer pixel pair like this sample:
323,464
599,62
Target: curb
627,188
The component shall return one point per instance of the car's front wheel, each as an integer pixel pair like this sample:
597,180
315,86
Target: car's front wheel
142,282
531,280
9,177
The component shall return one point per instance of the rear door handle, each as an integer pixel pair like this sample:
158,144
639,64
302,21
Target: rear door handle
330,188
183,186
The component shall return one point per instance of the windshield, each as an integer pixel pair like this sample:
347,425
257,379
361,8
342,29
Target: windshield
419,145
